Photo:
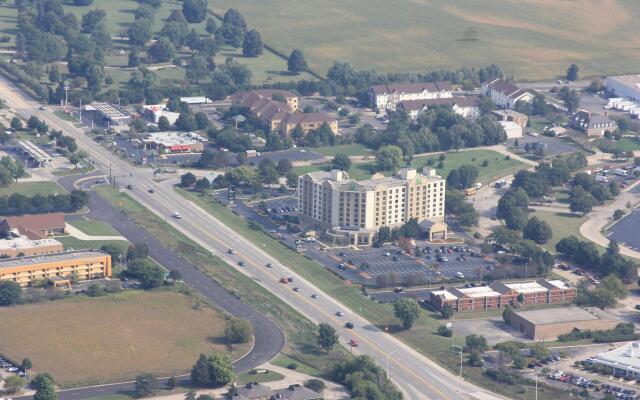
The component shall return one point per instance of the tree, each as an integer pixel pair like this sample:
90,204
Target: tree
572,72
475,342
388,157
267,171
284,166
145,385
16,123
537,230
133,60
317,385
406,310
194,10
292,179
150,274
462,177
327,337
186,122
13,384
447,311
187,180
581,201
139,32
162,51
252,45
506,314
202,184
43,383
341,162
211,25
10,293
237,330
164,124
296,62
570,98
212,371
197,69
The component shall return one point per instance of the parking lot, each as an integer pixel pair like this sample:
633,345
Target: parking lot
552,146
625,231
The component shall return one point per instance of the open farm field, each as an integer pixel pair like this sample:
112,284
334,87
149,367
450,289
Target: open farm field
530,39
83,341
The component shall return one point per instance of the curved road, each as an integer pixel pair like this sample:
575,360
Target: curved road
269,339
418,376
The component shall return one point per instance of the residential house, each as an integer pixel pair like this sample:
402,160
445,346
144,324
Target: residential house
466,106
255,391
592,125
505,94
388,96
297,392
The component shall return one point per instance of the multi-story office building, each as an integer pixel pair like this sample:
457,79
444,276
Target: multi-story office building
351,212
81,264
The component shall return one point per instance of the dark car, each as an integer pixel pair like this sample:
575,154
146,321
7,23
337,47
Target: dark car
241,263
348,325
151,191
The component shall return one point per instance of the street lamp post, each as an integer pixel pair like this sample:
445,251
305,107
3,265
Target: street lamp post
389,355
459,348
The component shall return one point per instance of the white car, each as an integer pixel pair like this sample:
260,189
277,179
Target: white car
340,314
176,215
460,275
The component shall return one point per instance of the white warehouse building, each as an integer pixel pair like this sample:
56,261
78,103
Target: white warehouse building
627,86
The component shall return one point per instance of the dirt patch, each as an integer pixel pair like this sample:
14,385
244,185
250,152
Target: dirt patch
83,340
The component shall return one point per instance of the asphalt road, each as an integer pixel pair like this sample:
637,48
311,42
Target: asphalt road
416,375
269,339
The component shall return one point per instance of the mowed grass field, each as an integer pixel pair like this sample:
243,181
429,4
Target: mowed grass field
83,340
94,228
32,188
530,39
497,166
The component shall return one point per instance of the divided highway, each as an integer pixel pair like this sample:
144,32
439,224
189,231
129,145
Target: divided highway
416,375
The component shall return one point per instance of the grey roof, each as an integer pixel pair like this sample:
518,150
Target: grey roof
564,314
506,88
411,87
297,392
460,101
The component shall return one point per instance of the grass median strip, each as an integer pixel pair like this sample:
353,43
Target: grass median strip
299,331
421,337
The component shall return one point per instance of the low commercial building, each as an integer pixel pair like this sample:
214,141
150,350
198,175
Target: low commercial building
195,100
297,392
511,129
255,391
23,246
37,226
156,111
388,96
175,142
548,324
505,94
81,265
625,360
467,106
499,295
352,212
109,114
518,118
593,125
627,86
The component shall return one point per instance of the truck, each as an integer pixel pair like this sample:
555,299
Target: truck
620,172
501,183
471,191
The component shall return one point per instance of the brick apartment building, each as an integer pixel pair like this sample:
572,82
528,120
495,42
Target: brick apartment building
498,294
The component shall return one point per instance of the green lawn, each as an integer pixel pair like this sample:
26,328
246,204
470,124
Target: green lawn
299,331
71,243
529,39
624,144
94,228
497,165
32,188
353,149
421,337
562,225
247,377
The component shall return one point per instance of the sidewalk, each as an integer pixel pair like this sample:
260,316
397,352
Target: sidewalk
78,234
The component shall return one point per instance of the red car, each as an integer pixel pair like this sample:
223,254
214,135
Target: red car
353,343
284,280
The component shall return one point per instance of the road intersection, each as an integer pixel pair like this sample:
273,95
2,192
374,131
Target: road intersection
416,375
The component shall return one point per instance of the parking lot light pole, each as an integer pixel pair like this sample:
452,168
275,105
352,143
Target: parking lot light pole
460,349
389,355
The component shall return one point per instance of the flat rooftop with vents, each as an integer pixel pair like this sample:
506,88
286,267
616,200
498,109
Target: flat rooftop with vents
548,324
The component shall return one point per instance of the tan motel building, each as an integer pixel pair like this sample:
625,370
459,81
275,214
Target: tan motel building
84,264
351,212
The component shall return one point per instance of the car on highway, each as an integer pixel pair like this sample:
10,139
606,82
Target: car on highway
241,263
339,314
289,279
231,251
284,280
349,325
296,289
314,296
353,343
151,191
176,215
129,187
269,265
43,108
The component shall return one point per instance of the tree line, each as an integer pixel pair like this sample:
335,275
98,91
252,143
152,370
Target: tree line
19,204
